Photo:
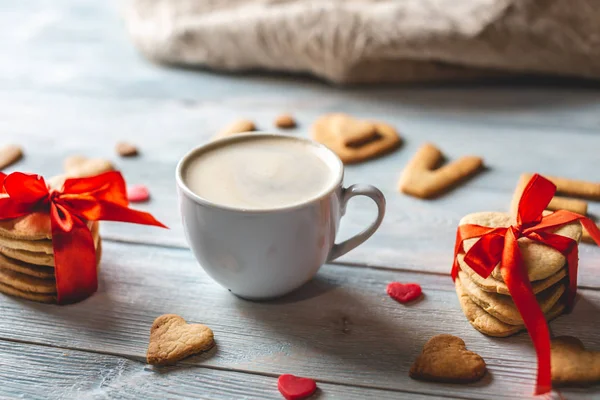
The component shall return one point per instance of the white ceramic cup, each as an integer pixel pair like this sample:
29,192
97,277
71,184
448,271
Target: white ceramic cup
262,254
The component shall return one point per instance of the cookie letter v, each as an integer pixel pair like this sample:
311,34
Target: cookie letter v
420,179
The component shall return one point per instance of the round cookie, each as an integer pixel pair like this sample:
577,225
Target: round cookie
27,283
503,307
489,325
540,260
387,140
492,285
29,256
40,258
36,246
34,226
37,271
39,297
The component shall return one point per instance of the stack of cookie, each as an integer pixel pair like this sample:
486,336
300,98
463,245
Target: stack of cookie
27,259
487,303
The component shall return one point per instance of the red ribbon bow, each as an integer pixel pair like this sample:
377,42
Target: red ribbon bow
101,197
500,245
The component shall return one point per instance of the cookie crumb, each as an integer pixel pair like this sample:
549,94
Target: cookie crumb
9,155
126,149
285,121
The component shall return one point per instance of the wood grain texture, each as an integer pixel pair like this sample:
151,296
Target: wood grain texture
342,318
71,83
40,372
415,233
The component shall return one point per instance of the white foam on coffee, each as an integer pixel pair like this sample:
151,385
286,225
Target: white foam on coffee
262,173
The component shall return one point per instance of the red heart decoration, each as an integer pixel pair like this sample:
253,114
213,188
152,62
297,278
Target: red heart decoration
137,193
404,292
295,388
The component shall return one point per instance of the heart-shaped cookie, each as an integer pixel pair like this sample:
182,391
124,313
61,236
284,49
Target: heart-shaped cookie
79,167
572,364
493,285
327,130
172,339
540,260
503,307
404,292
294,387
445,358
491,326
352,132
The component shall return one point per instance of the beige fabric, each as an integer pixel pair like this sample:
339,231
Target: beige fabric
361,41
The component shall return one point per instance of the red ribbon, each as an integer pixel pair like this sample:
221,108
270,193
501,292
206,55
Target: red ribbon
500,245
101,197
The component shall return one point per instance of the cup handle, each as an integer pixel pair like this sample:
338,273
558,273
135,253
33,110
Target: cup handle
339,249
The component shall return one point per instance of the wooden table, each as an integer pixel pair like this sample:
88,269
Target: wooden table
72,83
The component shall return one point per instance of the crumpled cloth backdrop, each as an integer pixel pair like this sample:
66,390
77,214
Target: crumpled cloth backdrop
360,41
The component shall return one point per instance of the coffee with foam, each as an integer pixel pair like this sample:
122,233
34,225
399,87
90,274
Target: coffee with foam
261,172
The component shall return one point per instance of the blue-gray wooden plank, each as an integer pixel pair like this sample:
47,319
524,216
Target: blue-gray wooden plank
416,234
342,327
40,372
71,82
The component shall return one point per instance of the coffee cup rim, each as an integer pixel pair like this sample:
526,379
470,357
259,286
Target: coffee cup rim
336,183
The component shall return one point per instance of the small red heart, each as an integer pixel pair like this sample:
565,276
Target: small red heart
138,193
295,388
404,292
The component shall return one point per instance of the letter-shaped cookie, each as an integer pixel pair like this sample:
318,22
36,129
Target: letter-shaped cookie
572,363
419,178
